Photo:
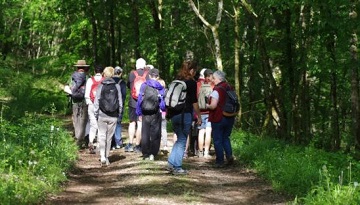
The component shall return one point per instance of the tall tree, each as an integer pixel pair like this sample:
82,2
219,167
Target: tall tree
214,29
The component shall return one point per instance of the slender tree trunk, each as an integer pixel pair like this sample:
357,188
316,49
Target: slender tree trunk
237,54
214,30
354,79
93,22
112,33
135,11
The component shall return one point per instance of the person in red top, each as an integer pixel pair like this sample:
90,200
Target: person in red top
221,125
204,135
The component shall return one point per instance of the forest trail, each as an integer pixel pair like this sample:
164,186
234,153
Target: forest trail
131,180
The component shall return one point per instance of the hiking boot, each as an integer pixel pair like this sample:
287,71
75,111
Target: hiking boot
230,161
179,171
129,148
137,149
219,166
151,157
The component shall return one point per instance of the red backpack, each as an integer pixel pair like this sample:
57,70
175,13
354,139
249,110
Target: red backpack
94,86
137,83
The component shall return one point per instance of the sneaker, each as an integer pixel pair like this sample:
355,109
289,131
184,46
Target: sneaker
117,147
179,171
207,155
91,149
137,149
129,148
112,148
104,162
200,154
151,157
170,167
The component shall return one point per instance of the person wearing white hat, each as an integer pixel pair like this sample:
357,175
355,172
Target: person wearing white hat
135,125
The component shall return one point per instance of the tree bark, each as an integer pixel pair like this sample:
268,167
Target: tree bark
214,30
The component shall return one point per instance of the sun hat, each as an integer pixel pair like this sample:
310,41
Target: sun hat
81,63
140,63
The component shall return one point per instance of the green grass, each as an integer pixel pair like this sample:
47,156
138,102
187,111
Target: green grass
310,175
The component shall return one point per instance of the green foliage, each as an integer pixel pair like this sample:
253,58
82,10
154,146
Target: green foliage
295,171
36,152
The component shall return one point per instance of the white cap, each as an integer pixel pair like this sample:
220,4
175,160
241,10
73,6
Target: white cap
140,63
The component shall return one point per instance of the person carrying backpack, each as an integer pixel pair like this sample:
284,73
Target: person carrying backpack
149,104
79,106
136,78
90,93
107,107
181,119
221,125
117,141
204,89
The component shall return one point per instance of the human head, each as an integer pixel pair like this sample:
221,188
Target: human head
187,71
81,64
118,70
99,69
149,67
140,63
208,74
218,76
154,73
109,72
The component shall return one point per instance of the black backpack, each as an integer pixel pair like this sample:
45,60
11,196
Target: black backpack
232,105
150,101
109,100
78,81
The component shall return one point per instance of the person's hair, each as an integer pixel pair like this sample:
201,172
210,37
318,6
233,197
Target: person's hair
108,72
184,72
98,69
219,75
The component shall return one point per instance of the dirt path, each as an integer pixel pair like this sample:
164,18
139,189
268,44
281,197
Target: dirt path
131,180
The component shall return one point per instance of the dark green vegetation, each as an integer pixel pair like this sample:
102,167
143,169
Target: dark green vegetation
294,64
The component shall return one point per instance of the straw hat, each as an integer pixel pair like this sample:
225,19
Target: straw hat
81,63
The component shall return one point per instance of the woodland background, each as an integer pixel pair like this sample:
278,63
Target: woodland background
294,63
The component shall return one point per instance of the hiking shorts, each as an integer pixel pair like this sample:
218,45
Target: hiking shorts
204,122
132,114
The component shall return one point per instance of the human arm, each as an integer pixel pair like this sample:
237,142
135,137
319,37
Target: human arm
88,86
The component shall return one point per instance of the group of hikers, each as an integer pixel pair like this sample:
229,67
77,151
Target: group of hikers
193,102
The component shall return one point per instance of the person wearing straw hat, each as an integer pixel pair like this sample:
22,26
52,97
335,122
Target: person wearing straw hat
79,106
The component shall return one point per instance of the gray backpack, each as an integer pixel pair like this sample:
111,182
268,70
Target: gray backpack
176,96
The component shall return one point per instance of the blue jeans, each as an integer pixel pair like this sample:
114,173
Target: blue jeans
221,134
117,134
181,129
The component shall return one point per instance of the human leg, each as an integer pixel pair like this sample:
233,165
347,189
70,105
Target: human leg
110,130
155,134
164,133
131,129
218,142
228,123
182,129
93,127
102,129
80,118
146,133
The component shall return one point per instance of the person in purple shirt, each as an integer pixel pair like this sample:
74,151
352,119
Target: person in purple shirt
151,118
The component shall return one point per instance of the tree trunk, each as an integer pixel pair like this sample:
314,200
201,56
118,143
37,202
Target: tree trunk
237,55
135,11
90,4
214,30
354,80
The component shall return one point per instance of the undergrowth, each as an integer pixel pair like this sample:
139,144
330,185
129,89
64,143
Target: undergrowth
311,175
